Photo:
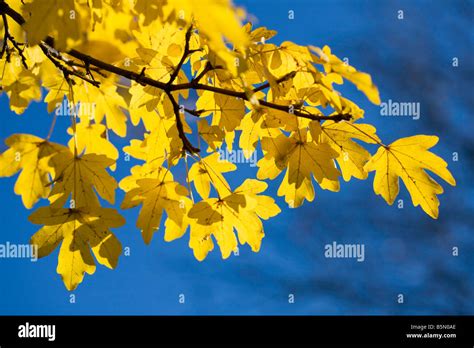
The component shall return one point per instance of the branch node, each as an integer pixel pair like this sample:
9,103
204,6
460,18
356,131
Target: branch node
140,77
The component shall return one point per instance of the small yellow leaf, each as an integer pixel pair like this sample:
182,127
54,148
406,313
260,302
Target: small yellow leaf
92,138
352,156
158,194
408,158
35,157
209,170
80,178
240,210
78,231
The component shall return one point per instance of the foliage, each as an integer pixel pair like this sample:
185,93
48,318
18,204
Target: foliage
120,63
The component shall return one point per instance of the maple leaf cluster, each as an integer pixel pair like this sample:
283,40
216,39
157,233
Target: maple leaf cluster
135,62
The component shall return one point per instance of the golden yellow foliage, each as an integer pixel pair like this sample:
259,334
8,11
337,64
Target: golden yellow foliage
174,78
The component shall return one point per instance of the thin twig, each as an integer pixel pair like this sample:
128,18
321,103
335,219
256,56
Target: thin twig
170,87
186,53
196,113
53,57
187,146
207,68
280,80
8,37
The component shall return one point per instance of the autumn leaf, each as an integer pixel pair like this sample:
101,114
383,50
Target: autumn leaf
78,231
57,86
103,102
304,159
56,17
212,135
92,138
352,156
253,129
408,158
36,159
156,195
21,85
241,210
227,111
81,177
209,170
217,20
363,81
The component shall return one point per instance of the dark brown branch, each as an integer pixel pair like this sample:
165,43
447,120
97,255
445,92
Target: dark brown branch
196,113
187,146
131,75
56,59
8,37
5,9
207,68
186,53
168,87
299,113
5,36
280,80
243,95
88,68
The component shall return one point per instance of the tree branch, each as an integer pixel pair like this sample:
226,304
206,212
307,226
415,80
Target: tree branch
196,113
280,80
4,8
183,58
8,37
56,59
204,71
187,146
169,87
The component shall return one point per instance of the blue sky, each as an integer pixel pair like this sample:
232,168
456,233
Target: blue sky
406,252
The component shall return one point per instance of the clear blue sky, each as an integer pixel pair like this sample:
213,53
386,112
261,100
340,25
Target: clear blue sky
406,252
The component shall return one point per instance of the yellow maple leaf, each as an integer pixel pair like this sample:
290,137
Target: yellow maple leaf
78,231
408,158
241,210
80,177
263,122
227,111
157,194
362,80
209,170
352,156
56,17
304,159
34,156
21,85
287,58
213,135
92,138
143,105
58,88
216,19
105,101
